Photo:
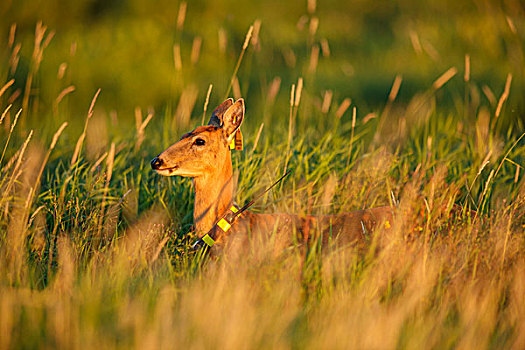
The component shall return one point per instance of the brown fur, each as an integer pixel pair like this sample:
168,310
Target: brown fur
210,167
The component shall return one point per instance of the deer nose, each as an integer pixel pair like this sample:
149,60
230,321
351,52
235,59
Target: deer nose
156,163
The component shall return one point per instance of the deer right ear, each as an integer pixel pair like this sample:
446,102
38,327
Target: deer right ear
216,116
232,119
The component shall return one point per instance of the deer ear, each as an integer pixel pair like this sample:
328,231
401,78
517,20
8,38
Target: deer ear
232,119
216,116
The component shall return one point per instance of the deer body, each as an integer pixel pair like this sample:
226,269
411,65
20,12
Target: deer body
204,155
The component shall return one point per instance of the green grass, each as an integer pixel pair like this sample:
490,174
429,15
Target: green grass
95,252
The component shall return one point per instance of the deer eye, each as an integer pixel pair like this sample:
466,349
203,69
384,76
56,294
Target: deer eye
199,142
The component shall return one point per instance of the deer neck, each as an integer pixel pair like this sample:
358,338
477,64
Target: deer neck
213,195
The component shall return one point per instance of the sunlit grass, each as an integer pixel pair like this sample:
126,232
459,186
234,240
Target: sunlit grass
94,247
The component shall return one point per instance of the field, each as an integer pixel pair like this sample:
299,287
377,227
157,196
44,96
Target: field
412,104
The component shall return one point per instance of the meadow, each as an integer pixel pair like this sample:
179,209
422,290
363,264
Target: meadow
417,105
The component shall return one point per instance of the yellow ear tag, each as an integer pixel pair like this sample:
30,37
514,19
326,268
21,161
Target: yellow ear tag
237,142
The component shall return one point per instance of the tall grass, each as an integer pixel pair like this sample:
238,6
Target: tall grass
94,247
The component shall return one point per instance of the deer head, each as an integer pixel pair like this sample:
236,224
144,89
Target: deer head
201,151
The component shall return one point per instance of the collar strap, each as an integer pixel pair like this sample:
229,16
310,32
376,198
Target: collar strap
227,220
208,240
225,223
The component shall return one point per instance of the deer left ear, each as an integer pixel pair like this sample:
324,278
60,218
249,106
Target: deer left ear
216,116
232,119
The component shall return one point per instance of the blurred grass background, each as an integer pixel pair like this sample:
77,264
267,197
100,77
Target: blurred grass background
126,48
94,246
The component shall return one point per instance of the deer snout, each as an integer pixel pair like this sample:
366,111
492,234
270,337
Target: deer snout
156,163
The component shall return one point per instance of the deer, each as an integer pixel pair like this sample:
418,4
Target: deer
204,155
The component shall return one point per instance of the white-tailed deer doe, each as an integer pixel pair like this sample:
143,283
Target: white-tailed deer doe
204,155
